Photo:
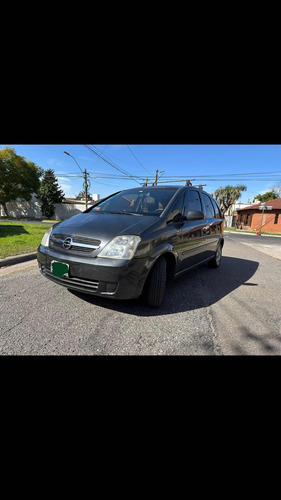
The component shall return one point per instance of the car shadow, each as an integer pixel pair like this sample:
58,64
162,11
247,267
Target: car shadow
200,287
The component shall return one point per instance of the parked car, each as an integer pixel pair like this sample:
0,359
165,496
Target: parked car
131,242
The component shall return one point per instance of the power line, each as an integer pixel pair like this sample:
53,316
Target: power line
277,172
105,158
138,160
96,151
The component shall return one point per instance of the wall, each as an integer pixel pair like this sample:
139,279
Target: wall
267,223
33,209
230,220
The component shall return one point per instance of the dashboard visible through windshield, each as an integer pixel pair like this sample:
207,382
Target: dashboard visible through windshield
137,202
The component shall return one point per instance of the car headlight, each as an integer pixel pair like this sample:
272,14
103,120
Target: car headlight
121,247
46,237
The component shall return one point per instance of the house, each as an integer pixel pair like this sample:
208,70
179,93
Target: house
91,200
230,219
250,217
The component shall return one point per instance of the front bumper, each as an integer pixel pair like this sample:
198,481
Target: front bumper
113,278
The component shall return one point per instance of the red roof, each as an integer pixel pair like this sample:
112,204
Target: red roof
271,203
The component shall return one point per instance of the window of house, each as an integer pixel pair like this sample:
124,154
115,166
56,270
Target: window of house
248,220
276,218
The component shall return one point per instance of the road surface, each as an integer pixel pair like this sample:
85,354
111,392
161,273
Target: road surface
233,310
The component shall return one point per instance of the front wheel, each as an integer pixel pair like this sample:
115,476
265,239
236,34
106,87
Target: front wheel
156,283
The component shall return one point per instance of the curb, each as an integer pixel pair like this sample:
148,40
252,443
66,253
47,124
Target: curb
16,259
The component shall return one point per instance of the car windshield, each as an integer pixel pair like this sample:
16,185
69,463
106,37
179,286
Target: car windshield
143,201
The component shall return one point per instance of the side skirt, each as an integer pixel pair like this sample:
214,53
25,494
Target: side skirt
192,267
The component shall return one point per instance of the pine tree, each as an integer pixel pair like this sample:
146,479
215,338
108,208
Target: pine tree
49,193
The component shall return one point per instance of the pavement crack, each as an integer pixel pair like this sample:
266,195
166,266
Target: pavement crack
17,324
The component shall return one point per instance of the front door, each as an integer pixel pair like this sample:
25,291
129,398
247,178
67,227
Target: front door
193,237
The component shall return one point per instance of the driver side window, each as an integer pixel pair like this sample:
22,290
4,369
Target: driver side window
177,208
192,201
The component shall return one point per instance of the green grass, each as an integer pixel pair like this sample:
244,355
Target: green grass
19,237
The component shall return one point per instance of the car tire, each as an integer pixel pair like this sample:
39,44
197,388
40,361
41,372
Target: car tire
156,283
215,262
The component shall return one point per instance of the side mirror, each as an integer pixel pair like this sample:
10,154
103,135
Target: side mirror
195,215
177,219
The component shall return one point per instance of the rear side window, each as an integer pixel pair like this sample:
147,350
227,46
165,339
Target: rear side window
208,207
217,209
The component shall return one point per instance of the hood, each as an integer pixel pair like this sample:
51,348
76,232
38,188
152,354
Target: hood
103,226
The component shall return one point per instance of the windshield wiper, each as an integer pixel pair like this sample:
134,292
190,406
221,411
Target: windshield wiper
123,213
128,213
109,212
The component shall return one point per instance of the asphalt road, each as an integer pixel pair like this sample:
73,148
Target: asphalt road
233,310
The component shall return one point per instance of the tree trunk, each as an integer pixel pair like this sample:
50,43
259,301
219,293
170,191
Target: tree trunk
5,209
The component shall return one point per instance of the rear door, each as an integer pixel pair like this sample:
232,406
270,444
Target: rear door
212,227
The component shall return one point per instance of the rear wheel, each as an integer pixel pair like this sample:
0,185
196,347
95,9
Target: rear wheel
215,262
156,283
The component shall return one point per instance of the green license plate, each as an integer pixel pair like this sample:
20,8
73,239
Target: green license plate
59,268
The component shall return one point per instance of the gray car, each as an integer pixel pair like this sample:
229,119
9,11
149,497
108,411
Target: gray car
131,242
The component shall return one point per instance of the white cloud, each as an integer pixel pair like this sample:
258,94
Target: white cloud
64,179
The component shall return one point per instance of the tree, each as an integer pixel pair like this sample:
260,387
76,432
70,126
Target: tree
81,195
277,190
270,195
228,195
19,178
49,193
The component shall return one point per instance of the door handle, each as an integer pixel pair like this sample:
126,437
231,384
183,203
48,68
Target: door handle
206,230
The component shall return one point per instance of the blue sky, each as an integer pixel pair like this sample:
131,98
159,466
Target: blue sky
188,161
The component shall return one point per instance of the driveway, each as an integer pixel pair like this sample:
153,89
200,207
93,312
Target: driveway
233,310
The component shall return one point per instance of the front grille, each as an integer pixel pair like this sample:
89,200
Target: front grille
87,245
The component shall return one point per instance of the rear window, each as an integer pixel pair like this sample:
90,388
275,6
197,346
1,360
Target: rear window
137,201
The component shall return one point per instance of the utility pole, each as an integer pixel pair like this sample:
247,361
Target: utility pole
156,176
86,188
85,173
263,208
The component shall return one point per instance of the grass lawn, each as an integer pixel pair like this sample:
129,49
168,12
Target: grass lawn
19,237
